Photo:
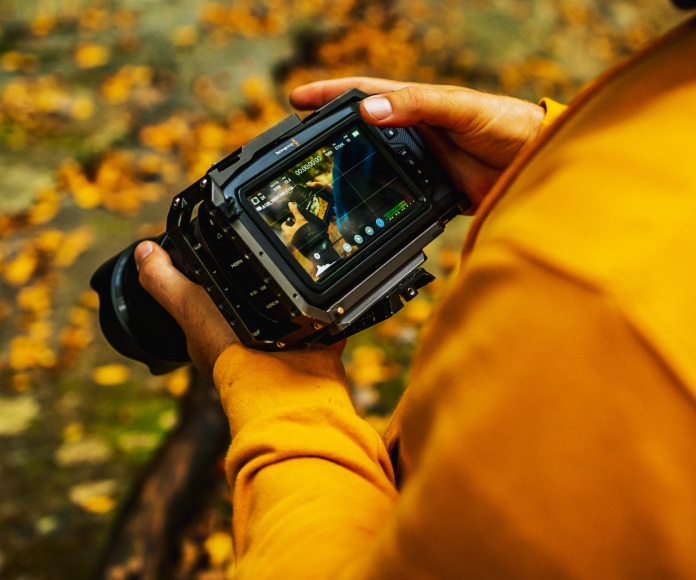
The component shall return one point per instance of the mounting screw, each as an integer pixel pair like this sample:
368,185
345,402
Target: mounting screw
280,344
411,292
203,182
176,202
340,311
318,326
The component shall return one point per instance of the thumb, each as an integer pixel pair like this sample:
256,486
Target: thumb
452,109
161,279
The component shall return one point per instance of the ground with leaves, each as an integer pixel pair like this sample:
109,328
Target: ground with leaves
107,109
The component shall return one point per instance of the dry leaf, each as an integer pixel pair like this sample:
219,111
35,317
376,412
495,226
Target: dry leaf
20,270
177,382
90,451
110,375
95,496
17,413
92,55
219,548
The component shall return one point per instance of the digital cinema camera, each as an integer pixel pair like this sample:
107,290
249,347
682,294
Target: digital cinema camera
309,233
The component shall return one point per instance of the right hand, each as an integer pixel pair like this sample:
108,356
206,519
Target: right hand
207,332
475,135
298,221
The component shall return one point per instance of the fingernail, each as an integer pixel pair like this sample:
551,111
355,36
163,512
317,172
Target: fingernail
142,250
379,108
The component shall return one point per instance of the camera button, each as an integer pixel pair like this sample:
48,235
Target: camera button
423,178
390,133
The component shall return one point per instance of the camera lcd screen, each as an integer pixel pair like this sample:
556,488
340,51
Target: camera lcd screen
333,203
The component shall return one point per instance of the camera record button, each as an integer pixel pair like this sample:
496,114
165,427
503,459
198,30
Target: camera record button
390,133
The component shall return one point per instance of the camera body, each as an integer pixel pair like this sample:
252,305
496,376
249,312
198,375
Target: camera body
309,233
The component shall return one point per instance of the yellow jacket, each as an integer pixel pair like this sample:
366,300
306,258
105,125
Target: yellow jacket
549,428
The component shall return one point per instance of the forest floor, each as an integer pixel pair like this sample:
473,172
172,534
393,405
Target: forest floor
108,109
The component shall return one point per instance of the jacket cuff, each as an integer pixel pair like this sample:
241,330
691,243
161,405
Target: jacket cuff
553,111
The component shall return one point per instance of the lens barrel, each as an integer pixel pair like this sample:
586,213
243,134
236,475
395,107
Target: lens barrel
133,322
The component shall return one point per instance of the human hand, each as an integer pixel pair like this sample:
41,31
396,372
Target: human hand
207,332
321,181
475,135
299,220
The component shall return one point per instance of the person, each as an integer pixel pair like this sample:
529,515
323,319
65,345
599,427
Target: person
549,426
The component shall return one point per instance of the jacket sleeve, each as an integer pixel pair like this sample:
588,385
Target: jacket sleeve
549,426
311,481
528,452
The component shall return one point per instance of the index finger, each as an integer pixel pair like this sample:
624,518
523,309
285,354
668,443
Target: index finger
292,206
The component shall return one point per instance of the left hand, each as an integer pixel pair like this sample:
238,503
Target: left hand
475,135
207,332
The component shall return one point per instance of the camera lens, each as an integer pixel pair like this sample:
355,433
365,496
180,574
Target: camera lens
133,322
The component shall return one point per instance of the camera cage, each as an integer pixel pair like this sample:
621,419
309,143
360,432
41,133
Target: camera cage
215,237
274,290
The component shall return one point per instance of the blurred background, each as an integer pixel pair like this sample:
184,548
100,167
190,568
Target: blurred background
107,110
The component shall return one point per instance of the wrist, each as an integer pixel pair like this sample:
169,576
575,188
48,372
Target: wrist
252,383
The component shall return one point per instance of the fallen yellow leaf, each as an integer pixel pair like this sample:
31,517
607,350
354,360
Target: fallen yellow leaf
87,195
45,208
94,496
74,244
73,432
369,365
17,413
89,299
75,338
110,375
91,55
49,241
18,271
20,382
177,382
35,298
82,108
100,504
27,353
184,36
219,548
13,61
92,18
255,88
40,330
418,311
